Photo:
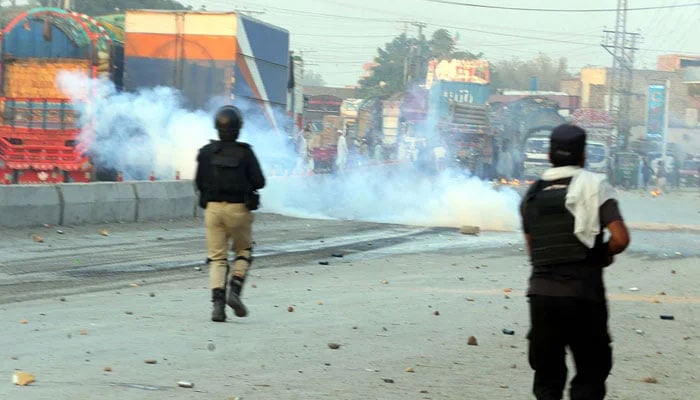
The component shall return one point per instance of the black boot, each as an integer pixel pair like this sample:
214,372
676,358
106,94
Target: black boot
234,296
218,297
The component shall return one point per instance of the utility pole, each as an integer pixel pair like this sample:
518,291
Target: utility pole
409,64
621,45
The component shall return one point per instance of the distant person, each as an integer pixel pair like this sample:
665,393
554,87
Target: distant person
647,172
661,176
640,174
676,174
342,152
563,216
302,150
228,177
378,152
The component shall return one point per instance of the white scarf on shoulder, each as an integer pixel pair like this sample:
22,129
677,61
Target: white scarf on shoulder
587,192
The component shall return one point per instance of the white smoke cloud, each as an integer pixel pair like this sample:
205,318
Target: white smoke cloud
150,130
136,133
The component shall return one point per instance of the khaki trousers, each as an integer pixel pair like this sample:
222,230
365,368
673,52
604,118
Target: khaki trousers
227,222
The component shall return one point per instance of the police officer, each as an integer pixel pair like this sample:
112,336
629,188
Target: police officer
564,215
228,177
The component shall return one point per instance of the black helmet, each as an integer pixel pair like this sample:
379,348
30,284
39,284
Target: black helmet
228,122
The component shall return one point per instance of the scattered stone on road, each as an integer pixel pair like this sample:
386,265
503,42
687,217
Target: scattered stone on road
185,384
469,230
472,341
436,313
409,369
388,380
333,346
290,309
21,378
108,369
150,361
104,232
37,238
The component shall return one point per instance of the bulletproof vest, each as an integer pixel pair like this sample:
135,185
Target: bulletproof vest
228,175
551,226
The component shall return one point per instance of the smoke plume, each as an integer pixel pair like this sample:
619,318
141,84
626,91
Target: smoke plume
150,130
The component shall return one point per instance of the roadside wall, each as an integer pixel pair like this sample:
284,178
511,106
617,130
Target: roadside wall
81,203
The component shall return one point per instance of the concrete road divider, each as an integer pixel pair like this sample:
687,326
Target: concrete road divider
164,199
81,203
97,202
28,205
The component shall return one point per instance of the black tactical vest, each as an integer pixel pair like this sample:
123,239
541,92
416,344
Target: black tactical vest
228,175
551,227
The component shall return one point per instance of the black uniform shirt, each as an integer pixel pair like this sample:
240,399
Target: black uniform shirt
580,280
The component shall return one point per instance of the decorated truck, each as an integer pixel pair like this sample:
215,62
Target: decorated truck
212,58
457,97
39,127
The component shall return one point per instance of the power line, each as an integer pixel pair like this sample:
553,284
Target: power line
580,10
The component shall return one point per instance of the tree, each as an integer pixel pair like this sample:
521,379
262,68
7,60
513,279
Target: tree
387,77
516,74
312,78
106,7
404,61
442,44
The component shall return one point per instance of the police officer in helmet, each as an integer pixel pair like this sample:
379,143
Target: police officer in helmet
564,215
228,177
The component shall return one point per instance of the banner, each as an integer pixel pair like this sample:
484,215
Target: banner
656,107
468,71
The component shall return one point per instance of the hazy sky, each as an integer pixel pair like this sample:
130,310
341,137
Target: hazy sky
338,36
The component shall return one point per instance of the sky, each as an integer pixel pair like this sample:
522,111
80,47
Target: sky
336,37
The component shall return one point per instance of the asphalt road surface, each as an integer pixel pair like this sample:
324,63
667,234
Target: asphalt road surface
84,309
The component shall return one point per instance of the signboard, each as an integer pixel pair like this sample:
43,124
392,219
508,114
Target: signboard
471,71
656,107
350,107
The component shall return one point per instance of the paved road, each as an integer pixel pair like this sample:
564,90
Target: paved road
135,295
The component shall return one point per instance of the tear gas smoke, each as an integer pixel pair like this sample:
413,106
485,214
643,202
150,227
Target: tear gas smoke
150,130
136,133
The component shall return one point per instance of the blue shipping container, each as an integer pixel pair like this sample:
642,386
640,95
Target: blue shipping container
442,92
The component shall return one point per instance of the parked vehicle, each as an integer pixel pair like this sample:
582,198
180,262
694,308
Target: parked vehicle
210,55
212,58
39,127
690,173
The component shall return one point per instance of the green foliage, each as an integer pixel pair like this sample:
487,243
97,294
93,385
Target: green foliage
404,62
106,7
